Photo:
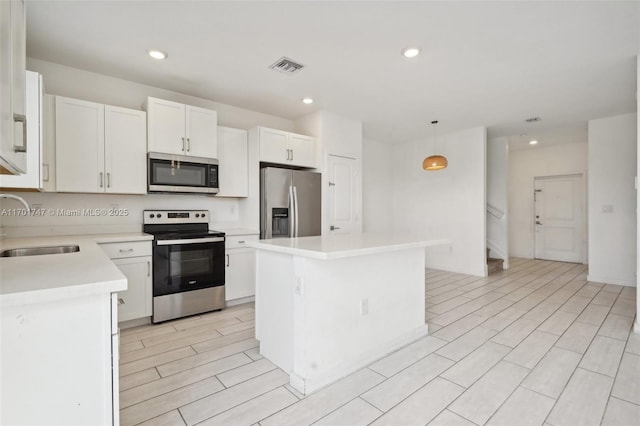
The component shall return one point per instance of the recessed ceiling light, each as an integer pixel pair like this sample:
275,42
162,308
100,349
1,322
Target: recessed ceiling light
533,142
157,54
307,101
411,52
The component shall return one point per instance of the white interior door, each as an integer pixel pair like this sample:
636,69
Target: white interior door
341,200
559,218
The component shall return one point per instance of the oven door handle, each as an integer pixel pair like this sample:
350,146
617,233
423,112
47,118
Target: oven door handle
190,241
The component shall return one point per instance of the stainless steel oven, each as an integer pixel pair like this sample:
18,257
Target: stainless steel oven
180,173
188,263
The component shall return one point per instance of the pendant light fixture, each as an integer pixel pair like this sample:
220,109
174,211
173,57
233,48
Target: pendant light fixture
434,162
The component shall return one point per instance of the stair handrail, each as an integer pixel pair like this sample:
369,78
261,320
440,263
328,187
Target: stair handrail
494,211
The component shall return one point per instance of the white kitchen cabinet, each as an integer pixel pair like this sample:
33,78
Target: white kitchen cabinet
32,178
240,280
233,168
48,130
280,147
99,148
175,128
13,121
135,262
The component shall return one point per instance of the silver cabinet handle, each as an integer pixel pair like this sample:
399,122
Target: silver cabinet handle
333,228
288,154
126,250
108,179
291,155
183,146
101,180
120,301
188,144
241,242
20,118
148,268
45,173
227,260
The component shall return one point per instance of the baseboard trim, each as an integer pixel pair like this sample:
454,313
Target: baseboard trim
616,281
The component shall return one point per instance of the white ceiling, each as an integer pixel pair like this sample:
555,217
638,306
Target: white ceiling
487,64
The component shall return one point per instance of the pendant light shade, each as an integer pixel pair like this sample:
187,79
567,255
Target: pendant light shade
434,162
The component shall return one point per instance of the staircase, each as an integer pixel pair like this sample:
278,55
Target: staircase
494,265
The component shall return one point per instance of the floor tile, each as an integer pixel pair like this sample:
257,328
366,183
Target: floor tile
575,304
449,418
523,408
542,311
254,410
219,402
626,307
414,411
395,389
245,372
594,314
616,326
603,355
532,349
516,332
466,344
604,298
502,320
553,372
466,371
633,344
589,290
583,401
621,413
485,396
458,328
577,337
139,378
558,323
356,412
494,307
319,404
404,357
172,418
627,383
156,360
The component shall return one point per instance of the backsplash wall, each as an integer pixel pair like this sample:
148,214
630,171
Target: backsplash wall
65,214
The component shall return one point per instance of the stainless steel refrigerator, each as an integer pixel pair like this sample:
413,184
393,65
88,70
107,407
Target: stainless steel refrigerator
290,203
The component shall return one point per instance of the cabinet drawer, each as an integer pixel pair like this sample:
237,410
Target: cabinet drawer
239,241
127,249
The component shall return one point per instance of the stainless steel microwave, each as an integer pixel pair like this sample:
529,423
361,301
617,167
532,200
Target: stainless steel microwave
181,173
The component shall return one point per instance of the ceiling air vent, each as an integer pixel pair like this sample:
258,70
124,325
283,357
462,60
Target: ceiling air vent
533,119
286,66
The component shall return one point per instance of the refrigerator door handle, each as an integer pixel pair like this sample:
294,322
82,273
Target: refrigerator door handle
292,213
295,202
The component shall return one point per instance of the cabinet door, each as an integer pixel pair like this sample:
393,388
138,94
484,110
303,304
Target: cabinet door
233,172
303,150
135,302
241,273
274,146
125,150
202,132
79,146
166,125
48,171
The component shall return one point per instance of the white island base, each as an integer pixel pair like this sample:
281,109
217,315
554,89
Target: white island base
327,306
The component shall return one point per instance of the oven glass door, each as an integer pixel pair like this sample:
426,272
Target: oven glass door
174,173
184,267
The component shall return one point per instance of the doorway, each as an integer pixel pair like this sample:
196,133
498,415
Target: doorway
559,218
341,202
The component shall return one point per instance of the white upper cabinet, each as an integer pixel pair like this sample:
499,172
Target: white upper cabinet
175,128
13,121
125,150
280,147
233,172
99,148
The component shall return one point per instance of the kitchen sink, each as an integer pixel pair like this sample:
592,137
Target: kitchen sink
37,251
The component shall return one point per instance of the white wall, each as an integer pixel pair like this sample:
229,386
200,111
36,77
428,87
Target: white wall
497,196
376,186
636,326
612,171
524,165
449,203
75,83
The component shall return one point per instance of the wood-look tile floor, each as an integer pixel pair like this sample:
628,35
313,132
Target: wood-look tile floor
534,345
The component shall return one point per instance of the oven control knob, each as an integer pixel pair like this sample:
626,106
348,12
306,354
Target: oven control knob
197,215
152,215
203,214
159,215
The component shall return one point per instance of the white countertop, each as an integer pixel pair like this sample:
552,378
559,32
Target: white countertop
35,279
345,245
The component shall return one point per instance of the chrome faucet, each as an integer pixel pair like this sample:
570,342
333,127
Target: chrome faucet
15,197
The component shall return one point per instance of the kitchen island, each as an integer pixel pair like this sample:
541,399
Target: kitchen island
327,306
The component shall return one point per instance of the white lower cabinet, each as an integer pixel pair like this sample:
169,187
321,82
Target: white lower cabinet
240,278
134,261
